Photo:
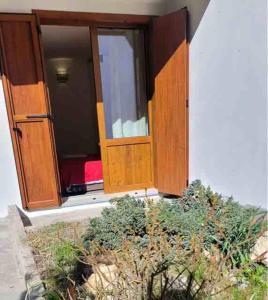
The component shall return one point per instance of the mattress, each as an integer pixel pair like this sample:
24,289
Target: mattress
78,174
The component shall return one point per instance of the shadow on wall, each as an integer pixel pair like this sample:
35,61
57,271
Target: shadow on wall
196,10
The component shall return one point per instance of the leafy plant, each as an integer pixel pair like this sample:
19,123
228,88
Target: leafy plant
193,247
255,280
166,267
233,225
57,252
123,221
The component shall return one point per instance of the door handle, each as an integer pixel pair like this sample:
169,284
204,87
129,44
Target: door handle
41,116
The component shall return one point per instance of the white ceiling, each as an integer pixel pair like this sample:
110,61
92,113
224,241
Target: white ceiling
65,40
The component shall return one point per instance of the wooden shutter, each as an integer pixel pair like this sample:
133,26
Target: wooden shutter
28,110
170,93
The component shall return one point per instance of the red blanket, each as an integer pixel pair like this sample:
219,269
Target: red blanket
80,170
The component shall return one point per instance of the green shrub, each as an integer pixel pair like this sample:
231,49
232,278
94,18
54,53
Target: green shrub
233,225
193,247
57,251
176,261
255,284
123,221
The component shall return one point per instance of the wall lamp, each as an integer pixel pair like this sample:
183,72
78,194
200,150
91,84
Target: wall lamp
62,76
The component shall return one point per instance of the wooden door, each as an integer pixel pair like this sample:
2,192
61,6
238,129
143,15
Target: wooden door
127,161
28,110
170,93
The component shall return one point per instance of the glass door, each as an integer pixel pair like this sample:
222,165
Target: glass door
120,76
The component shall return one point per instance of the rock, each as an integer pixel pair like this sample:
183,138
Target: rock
260,250
103,278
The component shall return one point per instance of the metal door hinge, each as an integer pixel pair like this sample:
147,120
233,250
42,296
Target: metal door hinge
187,103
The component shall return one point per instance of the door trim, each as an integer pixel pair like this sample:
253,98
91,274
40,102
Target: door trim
100,106
54,17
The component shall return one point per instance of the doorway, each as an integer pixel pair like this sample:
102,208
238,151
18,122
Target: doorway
70,79
140,145
105,149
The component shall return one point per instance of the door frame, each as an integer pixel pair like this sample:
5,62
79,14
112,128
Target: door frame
50,17
54,17
107,20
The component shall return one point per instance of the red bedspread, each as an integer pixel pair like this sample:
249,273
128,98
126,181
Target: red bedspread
80,170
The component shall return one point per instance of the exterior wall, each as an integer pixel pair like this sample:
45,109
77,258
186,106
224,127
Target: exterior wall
228,96
143,7
9,186
228,92
9,189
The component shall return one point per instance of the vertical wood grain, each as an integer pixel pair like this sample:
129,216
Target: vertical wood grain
169,93
127,162
25,94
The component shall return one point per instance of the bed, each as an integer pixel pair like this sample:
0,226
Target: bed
81,174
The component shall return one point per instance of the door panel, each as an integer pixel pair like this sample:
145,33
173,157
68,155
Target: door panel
129,166
28,111
22,68
126,155
170,112
38,173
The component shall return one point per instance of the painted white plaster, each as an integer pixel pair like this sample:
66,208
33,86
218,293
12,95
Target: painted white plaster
228,96
151,7
9,188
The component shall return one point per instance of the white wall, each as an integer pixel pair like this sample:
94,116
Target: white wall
228,96
9,188
151,7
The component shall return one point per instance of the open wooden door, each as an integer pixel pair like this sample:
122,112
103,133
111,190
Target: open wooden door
122,107
169,50
28,110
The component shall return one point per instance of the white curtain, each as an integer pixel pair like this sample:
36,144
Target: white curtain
123,82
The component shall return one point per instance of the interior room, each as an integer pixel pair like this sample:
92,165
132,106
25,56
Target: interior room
70,79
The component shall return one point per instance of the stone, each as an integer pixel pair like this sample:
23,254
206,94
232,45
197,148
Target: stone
103,278
260,250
